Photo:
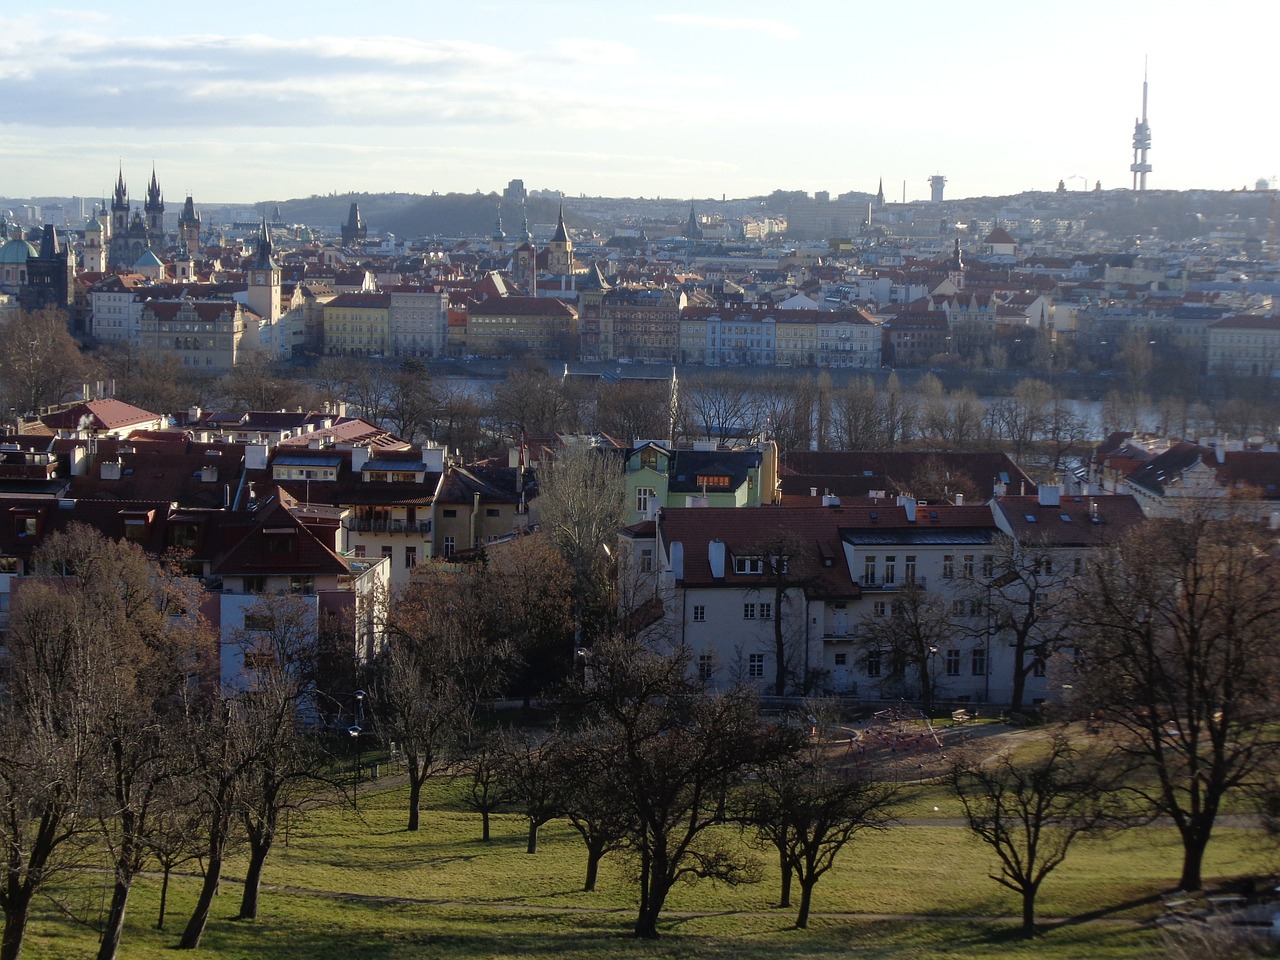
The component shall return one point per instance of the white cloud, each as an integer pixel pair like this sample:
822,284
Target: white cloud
772,28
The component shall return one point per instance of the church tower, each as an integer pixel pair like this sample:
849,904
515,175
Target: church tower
354,231
95,250
154,209
498,242
560,250
955,267
264,279
189,228
120,208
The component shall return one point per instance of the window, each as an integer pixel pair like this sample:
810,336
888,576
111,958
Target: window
957,608
699,613
968,566
755,666
748,565
988,566
1077,566
953,663
410,557
706,665
646,560
873,663
713,481
255,584
890,569
748,611
879,608
1038,667
869,570
909,568
358,551
450,513
841,659
948,567
135,530
259,621
492,512
766,611
643,496
386,552
978,661
446,548
302,584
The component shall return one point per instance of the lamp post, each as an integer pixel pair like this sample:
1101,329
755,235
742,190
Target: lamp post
354,730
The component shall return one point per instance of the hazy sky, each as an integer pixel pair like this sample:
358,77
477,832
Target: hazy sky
237,101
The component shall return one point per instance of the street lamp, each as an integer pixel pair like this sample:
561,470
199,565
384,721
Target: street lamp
354,731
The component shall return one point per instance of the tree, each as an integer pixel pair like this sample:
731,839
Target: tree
485,792
111,646
284,762
809,807
442,658
719,406
40,364
1022,599
1030,811
531,776
409,402
671,755
1175,632
589,803
581,505
916,629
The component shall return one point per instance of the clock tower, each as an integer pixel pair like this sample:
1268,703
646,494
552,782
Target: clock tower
264,279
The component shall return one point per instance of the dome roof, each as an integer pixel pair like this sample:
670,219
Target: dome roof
17,251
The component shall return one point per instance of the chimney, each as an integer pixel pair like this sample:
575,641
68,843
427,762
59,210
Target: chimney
909,505
715,556
1050,495
959,499
359,457
677,560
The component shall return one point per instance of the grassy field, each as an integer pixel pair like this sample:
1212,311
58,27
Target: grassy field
351,885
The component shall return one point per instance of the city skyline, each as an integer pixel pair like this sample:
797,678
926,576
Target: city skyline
734,100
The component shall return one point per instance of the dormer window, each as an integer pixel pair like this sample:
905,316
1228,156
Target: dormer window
748,565
714,481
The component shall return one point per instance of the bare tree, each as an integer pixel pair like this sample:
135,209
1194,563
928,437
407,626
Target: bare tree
918,626
1030,811
442,658
671,756
719,406
1175,635
580,507
485,789
596,813
285,763
40,364
809,807
531,777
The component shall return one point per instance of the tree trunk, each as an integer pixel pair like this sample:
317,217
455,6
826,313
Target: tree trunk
200,916
16,913
114,928
593,868
806,899
1194,842
164,897
484,829
784,897
1019,676
532,846
253,880
415,797
653,893
1028,912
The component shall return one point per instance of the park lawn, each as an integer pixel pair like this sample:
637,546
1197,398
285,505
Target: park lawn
351,885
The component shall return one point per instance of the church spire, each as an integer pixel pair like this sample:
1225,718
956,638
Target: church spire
561,235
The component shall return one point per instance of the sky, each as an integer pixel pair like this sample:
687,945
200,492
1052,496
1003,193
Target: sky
242,102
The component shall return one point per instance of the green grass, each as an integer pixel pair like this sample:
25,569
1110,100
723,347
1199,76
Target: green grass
359,886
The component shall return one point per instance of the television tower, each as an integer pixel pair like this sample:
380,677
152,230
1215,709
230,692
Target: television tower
1141,142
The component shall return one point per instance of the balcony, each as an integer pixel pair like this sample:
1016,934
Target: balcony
387,526
871,583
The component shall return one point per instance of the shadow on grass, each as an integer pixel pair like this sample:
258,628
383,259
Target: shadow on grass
1103,912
